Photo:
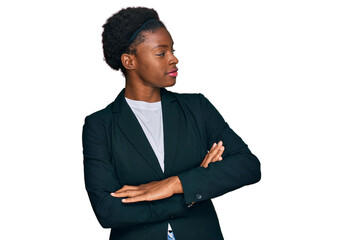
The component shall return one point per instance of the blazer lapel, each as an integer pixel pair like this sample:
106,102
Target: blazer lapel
126,121
171,129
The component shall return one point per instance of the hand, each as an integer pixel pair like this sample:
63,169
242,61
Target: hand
151,191
213,155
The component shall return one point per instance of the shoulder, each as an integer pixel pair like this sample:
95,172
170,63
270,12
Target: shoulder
194,100
189,98
102,116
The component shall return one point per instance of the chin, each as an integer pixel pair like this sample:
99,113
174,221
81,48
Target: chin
170,83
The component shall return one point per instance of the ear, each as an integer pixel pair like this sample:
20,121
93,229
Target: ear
128,61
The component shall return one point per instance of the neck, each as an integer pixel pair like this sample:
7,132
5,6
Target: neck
141,92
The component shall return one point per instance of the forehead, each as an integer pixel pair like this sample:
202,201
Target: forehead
159,37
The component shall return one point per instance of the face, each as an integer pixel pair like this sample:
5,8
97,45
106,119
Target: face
154,61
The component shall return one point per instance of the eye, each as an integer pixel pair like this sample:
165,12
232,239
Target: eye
161,54
173,51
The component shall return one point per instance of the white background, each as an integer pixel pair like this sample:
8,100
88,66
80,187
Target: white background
284,74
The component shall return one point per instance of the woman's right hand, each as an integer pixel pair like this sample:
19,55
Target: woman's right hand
213,155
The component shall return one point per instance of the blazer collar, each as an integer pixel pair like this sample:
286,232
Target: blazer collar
118,103
127,122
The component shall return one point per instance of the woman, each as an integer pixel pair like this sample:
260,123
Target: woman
146,160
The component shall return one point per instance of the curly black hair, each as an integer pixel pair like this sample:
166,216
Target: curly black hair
118,30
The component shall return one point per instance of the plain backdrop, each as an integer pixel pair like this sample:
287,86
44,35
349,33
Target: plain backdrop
285,75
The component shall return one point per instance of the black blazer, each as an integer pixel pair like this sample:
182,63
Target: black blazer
117,152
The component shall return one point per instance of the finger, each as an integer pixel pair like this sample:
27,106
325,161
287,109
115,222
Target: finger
127,194
203,164
122,195
215,151
210,156
221,151
217,147
140,198
218,155
204,161
127,188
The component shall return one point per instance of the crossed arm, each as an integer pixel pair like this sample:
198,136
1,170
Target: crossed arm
157,190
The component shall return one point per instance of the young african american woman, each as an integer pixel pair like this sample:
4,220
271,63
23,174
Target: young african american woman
154,159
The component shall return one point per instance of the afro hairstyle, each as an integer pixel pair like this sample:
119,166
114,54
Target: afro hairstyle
118,30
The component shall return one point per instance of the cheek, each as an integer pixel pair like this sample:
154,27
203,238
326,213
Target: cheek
144,63
145,66
148,65
152,67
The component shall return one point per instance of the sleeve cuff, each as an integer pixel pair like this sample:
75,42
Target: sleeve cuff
191,189
172,207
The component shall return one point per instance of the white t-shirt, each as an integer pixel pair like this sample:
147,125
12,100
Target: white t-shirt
149,115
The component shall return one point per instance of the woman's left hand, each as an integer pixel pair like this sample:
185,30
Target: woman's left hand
151,191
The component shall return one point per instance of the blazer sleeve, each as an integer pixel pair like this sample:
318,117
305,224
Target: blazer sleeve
238,168
101,180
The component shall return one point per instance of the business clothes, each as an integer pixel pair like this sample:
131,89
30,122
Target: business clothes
117,152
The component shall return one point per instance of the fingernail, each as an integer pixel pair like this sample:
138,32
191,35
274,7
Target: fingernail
112,193
222,148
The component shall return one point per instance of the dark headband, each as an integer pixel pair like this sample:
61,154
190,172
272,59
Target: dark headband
134,35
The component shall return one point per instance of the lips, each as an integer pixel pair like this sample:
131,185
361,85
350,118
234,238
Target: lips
173,72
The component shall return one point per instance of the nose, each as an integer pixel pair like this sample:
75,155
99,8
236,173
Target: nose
173,60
